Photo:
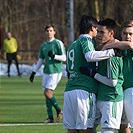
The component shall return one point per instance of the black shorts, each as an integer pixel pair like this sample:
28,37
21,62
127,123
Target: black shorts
12,56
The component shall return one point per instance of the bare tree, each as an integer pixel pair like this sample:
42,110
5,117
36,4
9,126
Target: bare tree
27,19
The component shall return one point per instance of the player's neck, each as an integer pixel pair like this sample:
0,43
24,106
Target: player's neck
110,40
50,39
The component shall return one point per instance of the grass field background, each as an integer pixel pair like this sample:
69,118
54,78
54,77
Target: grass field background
22,106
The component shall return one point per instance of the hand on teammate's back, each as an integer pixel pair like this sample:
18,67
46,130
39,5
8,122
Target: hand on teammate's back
87,71
118,52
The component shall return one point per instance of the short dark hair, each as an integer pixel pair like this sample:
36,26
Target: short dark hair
128,23
109,23
86,23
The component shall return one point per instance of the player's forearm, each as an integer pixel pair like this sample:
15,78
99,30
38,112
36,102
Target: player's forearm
93,56
120,45
38,65
60,57
124,45
105,80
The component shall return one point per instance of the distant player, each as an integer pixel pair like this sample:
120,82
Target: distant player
11,47
52,54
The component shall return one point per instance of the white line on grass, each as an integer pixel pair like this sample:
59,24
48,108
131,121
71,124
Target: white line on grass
29,124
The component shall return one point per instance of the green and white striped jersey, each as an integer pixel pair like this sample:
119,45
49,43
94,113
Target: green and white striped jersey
51,65
76,58
112,68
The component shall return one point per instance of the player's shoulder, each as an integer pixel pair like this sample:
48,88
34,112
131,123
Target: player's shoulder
5,39
43,44
13,38
58,41
85,37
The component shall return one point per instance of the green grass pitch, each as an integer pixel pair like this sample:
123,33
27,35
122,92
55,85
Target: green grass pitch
22,106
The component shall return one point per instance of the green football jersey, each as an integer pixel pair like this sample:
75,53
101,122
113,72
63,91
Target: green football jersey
75,59
128,69
51,65
111,68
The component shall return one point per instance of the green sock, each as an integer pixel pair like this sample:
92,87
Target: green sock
54,103
49,109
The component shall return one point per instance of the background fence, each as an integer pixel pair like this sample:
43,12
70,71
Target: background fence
24,56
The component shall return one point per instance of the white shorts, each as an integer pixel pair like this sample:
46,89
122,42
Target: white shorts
108,114
79,109
128,105
124,119
50,81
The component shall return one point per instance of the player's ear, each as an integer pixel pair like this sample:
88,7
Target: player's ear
112,33
92,28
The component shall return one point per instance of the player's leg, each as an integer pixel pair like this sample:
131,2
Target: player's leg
127,117
78,112
17,64
52,81
111,115
69,112
97,117
107,130
52,100
72,131
94,128
80,131
9,61
124,128
128,105
89,130
49,105
50,118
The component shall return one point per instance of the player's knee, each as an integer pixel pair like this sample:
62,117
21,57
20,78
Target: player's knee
48,94
124,128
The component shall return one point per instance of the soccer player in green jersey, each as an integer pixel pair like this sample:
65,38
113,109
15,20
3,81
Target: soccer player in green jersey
110,92
110,76
53,52
79,96
127,35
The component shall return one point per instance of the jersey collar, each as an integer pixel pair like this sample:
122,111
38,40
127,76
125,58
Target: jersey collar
85,35
51,40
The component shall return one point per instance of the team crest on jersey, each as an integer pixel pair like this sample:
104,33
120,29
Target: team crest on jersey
73,76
